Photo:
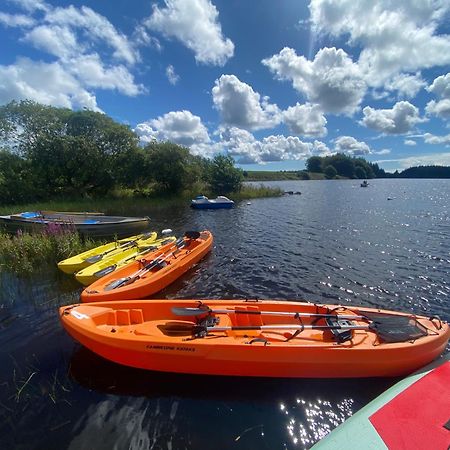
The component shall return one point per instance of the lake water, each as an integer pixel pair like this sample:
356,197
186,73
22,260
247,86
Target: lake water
335,243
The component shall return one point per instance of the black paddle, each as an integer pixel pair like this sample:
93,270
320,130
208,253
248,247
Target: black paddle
199,311
389,329
180,243
96,258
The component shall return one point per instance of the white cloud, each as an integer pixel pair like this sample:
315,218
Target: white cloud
410,142
32,5
239,105
331,80
171,75
142,38
433,159
305,120
406,85
246,149
384,151
95,27
181,127
16,20
350,146
45,83
395,36
398,120
441,88
57,40
195,24
440,108
70,35
436,140
90,70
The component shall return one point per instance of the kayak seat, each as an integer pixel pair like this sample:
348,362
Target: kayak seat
125,317
243,320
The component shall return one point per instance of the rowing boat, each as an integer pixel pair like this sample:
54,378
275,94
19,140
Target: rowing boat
257,338
94,255
95,225
142,249
152,273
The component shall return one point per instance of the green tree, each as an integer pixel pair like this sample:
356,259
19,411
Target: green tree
23,123
360,172
303,175
330,172
314,164
168,164
224,177
15,181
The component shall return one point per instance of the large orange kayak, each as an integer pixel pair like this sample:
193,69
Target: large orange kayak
257,338
149,275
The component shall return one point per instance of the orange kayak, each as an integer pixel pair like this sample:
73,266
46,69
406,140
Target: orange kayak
149,275
257,338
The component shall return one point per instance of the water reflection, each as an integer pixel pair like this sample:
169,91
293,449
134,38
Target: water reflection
155,406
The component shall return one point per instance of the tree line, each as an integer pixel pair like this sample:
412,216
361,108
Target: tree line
48,152
351,167
344,166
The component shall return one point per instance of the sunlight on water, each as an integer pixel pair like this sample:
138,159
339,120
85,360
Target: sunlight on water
308,422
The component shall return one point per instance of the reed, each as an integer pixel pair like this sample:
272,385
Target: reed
26,253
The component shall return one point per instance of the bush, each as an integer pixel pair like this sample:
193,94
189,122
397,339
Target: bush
330,172
223,176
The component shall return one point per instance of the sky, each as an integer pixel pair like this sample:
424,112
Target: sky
269,82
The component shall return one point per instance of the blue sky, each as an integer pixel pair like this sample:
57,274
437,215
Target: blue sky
270,82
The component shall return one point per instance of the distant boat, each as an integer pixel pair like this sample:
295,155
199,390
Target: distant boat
95,225
202,202
364,183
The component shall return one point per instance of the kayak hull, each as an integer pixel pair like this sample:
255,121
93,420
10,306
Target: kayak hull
151,282
132,333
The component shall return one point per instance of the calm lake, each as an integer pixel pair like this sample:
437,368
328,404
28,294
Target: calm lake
387,245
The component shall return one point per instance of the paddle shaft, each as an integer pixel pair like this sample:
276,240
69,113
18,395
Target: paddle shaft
199,311
150,265
128,243
283,327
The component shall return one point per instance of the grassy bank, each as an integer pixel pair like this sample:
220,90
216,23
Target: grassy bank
266,175
128,202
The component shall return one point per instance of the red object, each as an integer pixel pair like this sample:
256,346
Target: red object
416,418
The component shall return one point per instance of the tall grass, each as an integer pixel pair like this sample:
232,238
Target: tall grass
251,191
26,253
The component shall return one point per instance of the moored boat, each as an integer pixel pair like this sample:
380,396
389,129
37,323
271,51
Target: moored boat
78,262
202,202
257,338
152,273
109,264
95,225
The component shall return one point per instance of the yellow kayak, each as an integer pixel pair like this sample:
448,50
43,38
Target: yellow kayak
108,265
85,259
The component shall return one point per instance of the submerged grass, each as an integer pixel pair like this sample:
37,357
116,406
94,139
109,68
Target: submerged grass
26,253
